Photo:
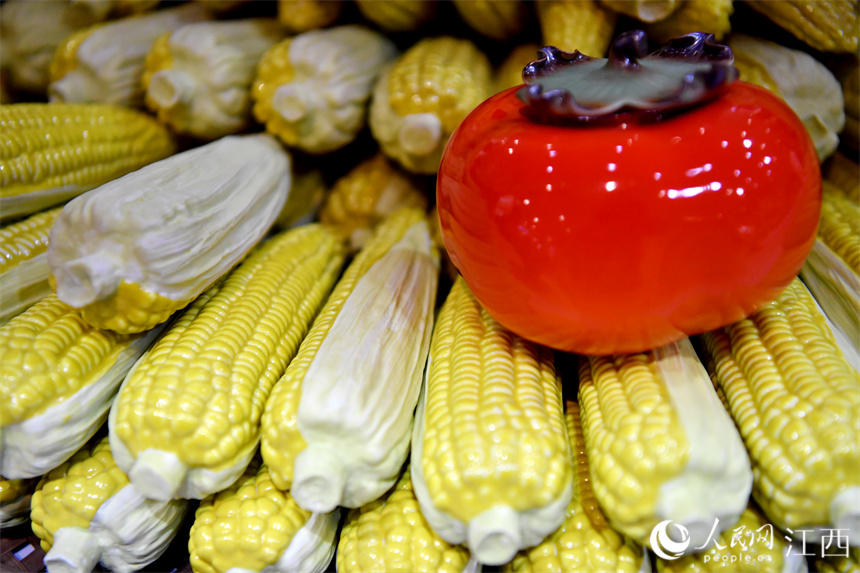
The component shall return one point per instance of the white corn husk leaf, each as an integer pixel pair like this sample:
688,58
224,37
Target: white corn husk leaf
173,227
29,35
334,73
35,446
127,533
111,60
359,393
836,287
206,91
24,285
805,84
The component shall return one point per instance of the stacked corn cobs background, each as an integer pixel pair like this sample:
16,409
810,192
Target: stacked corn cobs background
268,303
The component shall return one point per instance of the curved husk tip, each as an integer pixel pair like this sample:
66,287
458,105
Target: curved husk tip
169,88
158,474
74,87
845,514
420,133
495,536
85,280
293,102
319,479
75,550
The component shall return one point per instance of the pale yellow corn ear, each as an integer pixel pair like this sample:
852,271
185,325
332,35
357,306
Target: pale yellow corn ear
198,78
86,512
362,198
337,425
252,526
752,545
510,72
645,10
104,9
306,197
582,25
491,463
311,91
24,269
826,25
397,15
422,98
58,377
793,389
710,16
53,152
29,35
660,444
844,173
832,270
838,562
299,16
585,541
15,495
812,91
496,19
390,534
105,63
187,419
134,251
851,93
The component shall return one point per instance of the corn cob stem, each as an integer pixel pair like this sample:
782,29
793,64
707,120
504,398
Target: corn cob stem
74,550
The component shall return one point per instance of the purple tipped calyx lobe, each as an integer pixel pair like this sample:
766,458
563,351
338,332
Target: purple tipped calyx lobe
563,87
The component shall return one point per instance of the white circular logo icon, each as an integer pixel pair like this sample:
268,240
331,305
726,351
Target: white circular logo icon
663,546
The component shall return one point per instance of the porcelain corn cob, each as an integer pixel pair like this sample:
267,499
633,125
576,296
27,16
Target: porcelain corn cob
582,25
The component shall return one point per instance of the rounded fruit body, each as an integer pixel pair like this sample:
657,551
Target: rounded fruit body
621,237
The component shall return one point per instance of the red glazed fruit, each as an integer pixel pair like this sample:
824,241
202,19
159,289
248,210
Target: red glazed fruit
625,231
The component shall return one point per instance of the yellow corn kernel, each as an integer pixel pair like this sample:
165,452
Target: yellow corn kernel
710,16
306,196
390,534
585,541
15,495
644,10
24,269
840,226
104,63
303,15
135,250
844,173
423,97
362,198
795,397
660,443
206,93
253,526
70,494
826,25
576,25
510,72
53,152
496,19
752,545
838,562
319,108
397,15
59,376
336,428
491,462
187,420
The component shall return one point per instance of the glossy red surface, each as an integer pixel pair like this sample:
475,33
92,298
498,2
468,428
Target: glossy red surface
621,238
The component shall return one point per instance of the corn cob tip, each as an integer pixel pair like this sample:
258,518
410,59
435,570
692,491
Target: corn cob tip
74,550
293,101
495,535
319,479
158,474
167,88
420,133
87,279
845,514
